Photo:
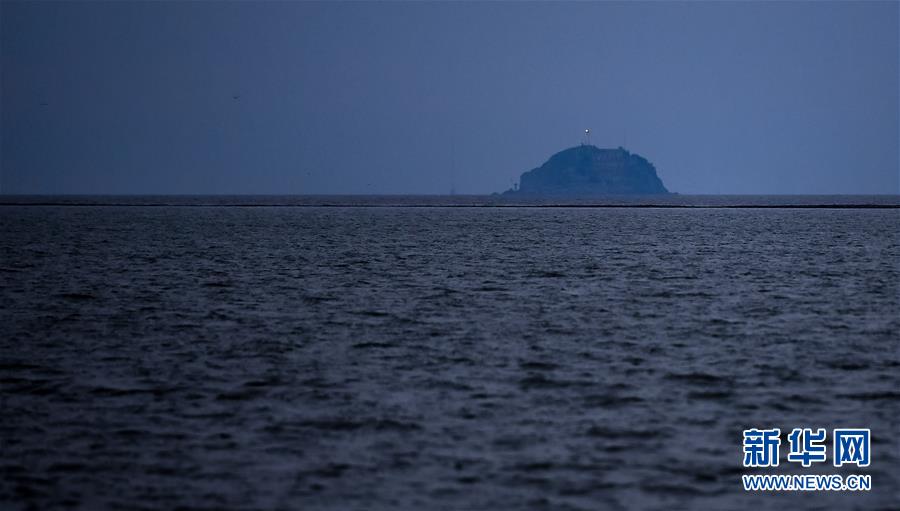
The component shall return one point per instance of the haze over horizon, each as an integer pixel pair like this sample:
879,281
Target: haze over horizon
383,98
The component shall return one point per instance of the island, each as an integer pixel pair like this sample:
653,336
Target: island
587,170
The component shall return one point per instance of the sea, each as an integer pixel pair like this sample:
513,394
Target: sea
441,353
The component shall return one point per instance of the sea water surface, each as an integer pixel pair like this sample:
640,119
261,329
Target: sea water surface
318,354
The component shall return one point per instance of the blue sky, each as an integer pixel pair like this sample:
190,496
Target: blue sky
291,97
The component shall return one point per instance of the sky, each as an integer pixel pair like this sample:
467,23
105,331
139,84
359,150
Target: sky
418,98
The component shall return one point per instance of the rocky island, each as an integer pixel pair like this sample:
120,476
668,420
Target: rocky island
587,170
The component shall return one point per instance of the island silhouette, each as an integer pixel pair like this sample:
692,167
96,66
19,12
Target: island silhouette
587,170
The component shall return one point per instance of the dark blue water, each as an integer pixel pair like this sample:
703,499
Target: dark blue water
163,357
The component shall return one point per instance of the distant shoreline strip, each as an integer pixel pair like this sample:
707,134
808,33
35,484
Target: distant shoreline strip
558,206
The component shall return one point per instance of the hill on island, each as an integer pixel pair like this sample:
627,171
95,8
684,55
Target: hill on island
587,170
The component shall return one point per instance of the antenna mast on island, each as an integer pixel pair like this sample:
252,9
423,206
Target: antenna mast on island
587,137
